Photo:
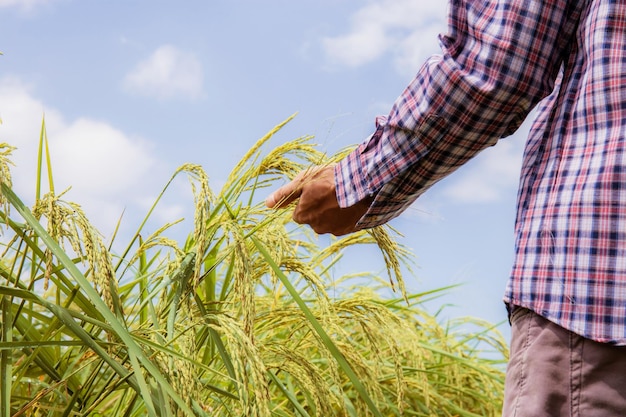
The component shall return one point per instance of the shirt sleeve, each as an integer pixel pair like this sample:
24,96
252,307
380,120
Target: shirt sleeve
500,58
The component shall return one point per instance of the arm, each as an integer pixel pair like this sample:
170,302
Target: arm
500,58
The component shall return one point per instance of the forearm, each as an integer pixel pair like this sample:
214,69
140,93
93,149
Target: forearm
478,91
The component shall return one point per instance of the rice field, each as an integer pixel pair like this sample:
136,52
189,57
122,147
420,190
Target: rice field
245,318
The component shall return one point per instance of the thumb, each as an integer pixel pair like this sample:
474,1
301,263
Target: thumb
284,195
291,191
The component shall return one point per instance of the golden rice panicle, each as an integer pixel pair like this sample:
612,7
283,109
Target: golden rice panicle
394,255
277,241
157,239
181,371
203,201
291,326
244,276
66,222
385,336
289,345
242,172
294,369
283,159
250,371
55,214
302,269
5,172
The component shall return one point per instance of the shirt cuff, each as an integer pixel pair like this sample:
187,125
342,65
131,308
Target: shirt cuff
352,179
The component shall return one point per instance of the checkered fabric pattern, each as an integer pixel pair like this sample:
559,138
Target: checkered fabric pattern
500,60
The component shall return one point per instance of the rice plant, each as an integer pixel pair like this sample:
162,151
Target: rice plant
239,320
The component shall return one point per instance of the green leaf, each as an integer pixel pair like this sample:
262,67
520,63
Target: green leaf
5,357
136,353
315,324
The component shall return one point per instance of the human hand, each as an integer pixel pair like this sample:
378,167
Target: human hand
317,206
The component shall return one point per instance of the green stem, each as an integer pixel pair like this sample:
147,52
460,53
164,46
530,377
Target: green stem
5,358
317,327
136,354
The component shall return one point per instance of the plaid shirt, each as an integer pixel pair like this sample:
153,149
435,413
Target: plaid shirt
500,60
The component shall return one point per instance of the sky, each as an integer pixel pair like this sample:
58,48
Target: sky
132,89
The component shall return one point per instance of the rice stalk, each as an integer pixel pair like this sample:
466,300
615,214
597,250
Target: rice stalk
66,221
235,321
5,172
252,386
6,362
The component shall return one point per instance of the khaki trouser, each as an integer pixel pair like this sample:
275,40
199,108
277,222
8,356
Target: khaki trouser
553,372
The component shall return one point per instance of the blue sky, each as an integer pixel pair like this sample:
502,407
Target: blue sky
132,89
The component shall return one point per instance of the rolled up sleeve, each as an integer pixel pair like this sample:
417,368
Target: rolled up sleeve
500,58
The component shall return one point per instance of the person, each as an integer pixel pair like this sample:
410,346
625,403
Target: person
566,295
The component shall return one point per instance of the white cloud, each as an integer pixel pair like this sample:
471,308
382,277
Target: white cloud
413,50
24,5
167,73
108,170
406,28
358,47
108,160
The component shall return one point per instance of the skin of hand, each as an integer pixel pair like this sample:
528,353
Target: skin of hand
316,202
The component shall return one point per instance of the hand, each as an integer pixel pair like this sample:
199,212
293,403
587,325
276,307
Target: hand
317,203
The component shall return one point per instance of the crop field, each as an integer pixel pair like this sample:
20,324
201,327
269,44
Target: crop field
245,318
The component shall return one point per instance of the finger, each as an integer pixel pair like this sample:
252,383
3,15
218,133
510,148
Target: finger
290,192
284,195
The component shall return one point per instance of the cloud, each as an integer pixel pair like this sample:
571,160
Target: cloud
108,160
24,5
358,47
108,170
167,73
405,28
